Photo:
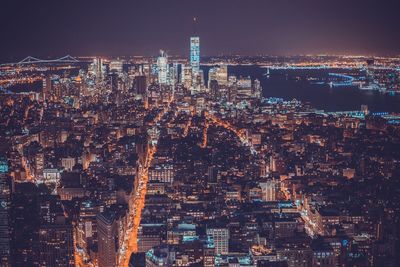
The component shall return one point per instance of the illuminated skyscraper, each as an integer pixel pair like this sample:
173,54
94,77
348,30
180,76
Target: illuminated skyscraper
4,214
195,54
173,74
54,244
110,230
47,87
219,74
162,66
97,68
186,76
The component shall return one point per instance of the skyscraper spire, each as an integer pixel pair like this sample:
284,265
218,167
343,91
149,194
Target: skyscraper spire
195,55
195,48
194,26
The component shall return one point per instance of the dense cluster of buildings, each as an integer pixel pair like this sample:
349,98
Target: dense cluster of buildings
236,179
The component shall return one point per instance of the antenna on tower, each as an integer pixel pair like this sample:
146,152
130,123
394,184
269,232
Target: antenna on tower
194,26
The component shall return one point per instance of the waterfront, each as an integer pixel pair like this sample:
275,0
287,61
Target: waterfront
303,85
285,84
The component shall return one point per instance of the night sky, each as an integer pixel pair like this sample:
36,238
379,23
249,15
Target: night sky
50,28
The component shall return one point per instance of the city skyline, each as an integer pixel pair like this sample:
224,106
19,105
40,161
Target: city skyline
226,27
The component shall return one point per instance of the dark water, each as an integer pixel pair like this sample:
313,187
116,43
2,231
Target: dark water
290,84
25,88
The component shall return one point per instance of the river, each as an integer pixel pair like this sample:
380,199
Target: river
290,84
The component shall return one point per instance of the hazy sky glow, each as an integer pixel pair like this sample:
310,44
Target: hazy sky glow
97,27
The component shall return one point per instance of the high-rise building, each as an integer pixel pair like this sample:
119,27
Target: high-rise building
257,89
56,243
244,82
113,80
232,93
217,81
212,75
268,190
140,84
199,79
173,74
220,235
68,163
25,221
39,165
323,254
186,76
47,87
98,68
219,74
214,88
86,227
264,169
5,193
150,235
195,54
116,66
163,173
272,163
51,177
212,175
209,255
162,67
109,224
222,75
55,240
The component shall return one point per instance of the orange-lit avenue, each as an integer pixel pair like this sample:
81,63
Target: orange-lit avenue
136,206
137,198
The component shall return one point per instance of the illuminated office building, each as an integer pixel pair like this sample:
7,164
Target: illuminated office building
47,87
244,83
195,54
54,243
4,214
110,229
116,66
97,68
222,75
214,88
140,84
268,189
173,74
219,74
186,76
200,78
220,235
87,225
149,236
163,173
257,89
162,66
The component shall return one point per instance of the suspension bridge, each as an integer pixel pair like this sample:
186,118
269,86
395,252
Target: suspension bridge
29,60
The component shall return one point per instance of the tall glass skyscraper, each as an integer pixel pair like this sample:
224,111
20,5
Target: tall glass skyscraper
195,54
4,214
162,65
